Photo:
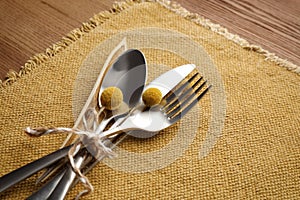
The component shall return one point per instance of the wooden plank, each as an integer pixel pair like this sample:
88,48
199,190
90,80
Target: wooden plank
274,25
30,26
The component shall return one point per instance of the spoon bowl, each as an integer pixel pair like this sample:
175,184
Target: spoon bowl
128,74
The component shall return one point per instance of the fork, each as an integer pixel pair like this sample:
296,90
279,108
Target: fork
175,104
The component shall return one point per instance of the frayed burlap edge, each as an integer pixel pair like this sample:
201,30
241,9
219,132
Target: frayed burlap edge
118,7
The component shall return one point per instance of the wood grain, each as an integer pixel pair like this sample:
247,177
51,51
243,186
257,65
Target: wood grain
30,26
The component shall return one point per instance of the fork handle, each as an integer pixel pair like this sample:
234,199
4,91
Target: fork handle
28,170
67,180
113,132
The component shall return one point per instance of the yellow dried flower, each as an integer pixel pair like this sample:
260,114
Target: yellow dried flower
111,98
152,96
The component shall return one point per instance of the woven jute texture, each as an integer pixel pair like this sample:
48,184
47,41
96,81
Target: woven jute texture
256,155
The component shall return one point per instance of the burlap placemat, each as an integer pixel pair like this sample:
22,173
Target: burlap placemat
255,155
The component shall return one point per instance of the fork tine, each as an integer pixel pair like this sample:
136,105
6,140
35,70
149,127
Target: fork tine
185,98
179,114
177,90
180,95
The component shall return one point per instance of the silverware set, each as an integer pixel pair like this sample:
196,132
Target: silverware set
101,129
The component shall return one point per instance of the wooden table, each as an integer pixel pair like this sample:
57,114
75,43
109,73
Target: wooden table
30,26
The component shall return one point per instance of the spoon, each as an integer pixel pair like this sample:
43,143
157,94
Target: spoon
28,170
129,74
111,59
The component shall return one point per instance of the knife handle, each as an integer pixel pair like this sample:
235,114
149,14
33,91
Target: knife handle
28,170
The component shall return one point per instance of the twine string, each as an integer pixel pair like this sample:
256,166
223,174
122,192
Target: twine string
93,142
